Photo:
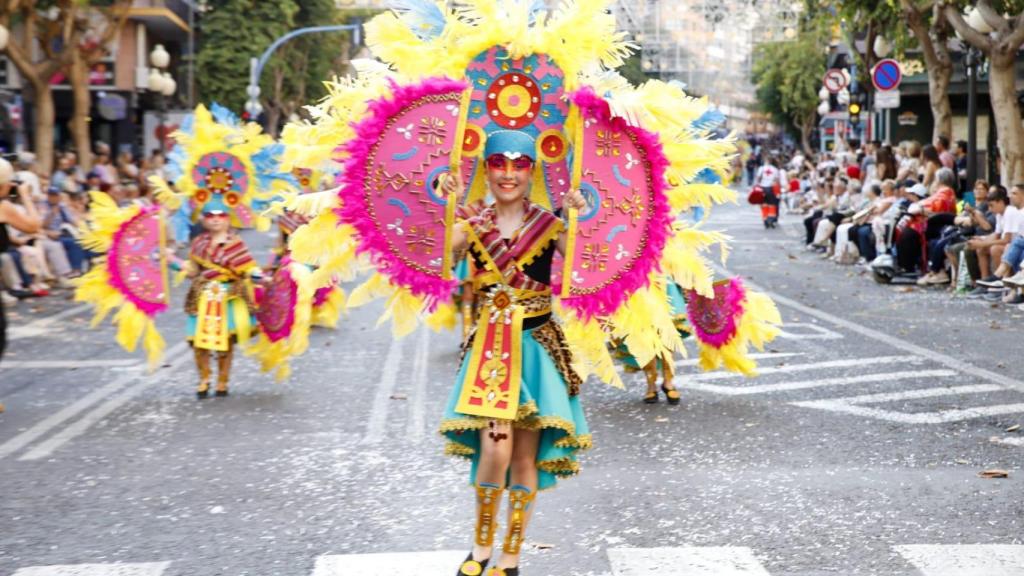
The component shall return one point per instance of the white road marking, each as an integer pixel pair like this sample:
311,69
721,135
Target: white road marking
849,363
43,325
46,448
758,356
417,400
943,359
805,384
1010,441
68,412
377,422
853,405
65,364
439,563
686,561
805,331
136,569
965,559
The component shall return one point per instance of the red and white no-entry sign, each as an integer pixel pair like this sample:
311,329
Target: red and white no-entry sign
834,80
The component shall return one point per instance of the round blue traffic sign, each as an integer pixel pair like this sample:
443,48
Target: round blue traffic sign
887,75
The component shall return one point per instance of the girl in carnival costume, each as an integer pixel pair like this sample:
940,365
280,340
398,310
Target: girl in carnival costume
502,97
512,244
221,168
221,296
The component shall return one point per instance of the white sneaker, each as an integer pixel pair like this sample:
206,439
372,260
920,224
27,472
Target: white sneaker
1017,280
926,279
8,300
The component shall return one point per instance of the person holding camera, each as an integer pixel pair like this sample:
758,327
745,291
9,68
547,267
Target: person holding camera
19,213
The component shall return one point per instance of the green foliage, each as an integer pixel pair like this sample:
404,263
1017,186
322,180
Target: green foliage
233,31
632,70
788,76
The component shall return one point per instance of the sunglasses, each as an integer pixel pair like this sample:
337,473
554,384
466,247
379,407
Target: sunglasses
215,215
498,162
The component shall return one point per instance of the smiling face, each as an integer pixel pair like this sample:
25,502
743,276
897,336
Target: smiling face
509,180
216,222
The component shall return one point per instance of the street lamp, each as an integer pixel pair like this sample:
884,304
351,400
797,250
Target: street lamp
973,59
162,85
882,47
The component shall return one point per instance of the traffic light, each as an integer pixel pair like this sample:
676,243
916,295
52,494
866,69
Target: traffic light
854,112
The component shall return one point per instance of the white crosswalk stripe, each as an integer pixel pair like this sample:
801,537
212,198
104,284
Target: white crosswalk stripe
686,561
819,382
966,560
854,405
920,560
811,367
426,563
138,569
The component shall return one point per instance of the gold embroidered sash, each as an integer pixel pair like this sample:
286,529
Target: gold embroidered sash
493,376
212,319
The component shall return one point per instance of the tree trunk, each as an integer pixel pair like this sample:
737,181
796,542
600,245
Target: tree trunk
806,127
78,76
939,75
1001,85
44,118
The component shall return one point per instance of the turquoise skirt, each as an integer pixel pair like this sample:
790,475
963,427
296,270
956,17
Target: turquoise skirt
233,304
544,404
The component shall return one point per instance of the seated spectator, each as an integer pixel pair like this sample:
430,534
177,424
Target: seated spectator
826,205
989,248
974,221
1013,255
862,233
962,227
883,227
61,226
925,221
847,204
25,165
847,250
18,214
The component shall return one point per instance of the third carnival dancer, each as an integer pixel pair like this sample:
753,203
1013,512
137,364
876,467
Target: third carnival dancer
511,244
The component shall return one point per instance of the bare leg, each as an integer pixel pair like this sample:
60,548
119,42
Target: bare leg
983,255
522,490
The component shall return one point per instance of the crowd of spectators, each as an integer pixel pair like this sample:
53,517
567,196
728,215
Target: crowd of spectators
38,260
908,209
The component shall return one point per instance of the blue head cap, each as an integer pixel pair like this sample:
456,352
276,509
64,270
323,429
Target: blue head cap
215,204
511,144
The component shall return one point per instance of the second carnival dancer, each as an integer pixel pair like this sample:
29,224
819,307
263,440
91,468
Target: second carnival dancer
221,296
511,244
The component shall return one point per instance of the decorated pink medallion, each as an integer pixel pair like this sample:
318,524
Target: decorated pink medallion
714,320
136,262
276,312
402,149
621,233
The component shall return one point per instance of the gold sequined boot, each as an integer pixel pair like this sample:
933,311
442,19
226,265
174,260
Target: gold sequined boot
671,394
519,500
224,371
203,365
651,372
488,497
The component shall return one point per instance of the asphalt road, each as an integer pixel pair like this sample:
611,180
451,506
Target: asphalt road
857,451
